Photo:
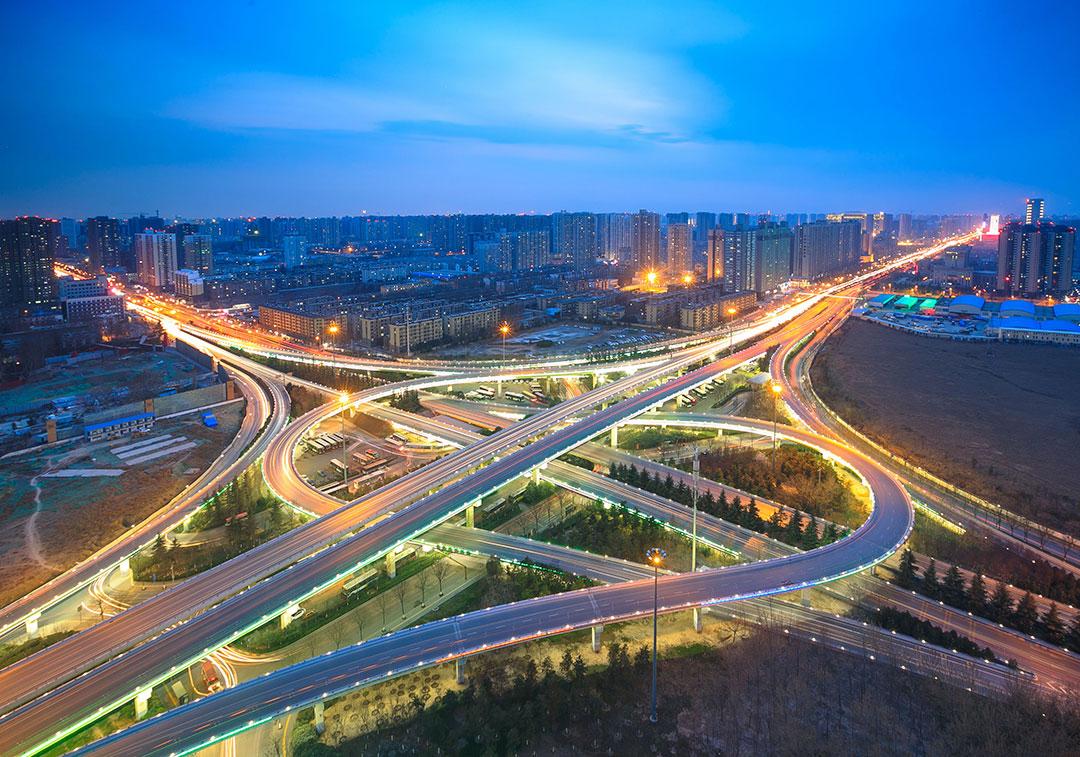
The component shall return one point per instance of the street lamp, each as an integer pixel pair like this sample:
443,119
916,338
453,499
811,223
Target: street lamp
504,330
776,392
730,328
655,558
344,399
332,330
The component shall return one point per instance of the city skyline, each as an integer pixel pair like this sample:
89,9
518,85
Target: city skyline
257,111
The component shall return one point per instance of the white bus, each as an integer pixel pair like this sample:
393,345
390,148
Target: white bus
486,392
515,396
357,584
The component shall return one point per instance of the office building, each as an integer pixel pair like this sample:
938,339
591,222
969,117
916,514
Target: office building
155,258
645,240
679,249
102,243
199,253
826,247
26,263
1035,210
1035,258
574,239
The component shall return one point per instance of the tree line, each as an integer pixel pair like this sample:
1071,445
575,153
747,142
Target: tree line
999,605
783,525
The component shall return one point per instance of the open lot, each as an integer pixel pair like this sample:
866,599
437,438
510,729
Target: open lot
1001,420
48,523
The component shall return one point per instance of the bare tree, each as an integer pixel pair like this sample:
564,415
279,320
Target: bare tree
383,600
422,578
400,591
440,569
337,633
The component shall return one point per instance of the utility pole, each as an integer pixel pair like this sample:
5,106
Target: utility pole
655,557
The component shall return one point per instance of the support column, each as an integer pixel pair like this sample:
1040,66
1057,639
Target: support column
536,475
320,718
142,699
32,625
391,564
470,516
597,634
614,437
804,597
498,387
697,619
459,671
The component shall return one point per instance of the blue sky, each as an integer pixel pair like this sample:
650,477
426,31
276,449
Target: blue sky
268,107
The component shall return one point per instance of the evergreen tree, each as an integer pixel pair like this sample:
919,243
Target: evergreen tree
976,595
930,580
159,549
707,503
668,486
908,574
810,534
831,534
776,522
723,507
793,529
1000,606
952,588
1026,614
753,516
1052,625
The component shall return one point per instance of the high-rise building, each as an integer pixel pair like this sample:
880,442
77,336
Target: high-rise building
772,245
614,237
758,258
523,251
27,246
904,227
102,243
155,258
574,239
294,246
738,265
199,253
1035,211
714,256
679,249
1035,258
645,240
825,247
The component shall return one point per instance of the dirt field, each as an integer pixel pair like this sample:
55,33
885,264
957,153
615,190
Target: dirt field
77,516
1001,420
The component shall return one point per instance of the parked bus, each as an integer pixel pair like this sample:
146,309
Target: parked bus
374,466
515,396
396,439
338,464
486,392
355,585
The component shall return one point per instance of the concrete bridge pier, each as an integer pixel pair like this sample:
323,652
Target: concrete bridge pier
614,437
320,718
142,701
697,619
804,597
470,515
391,564
32,625
459,671
597,634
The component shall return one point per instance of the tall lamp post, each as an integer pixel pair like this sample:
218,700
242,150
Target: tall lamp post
344,398
776,391
655,558
332,330
731,328
504,331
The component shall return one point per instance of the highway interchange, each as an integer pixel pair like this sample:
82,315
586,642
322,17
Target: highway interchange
43,699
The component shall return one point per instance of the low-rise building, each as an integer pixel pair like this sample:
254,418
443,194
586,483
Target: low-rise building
118,427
